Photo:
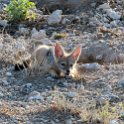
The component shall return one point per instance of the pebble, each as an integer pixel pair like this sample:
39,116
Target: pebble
113,122
1,46
111,97
71,94
121,83
66,21
9,74
3,23
34,95
27,88
113,15
38,35
5,82
68,121
92,66
104,6
55,17
24,31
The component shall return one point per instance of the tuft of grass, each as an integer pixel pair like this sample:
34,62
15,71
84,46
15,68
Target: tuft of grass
87,111
60,35
18,10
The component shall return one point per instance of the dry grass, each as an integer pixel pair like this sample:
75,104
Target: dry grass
87,111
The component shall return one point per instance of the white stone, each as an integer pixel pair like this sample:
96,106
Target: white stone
3,23
105,19
113,122
121,83
71,94
68,121
20,46
9,74
55,17
38,35
107,25
35,96
114,23
65,21
104,6
113,15
91,66
1,46
46,41
24,31
5,82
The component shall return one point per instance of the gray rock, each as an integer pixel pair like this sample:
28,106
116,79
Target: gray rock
5,82
38,35
55,17
68,121
104,6
111,97
113,122
71,94
114,23
121,83
1,46
8,74
122,114
3,23
113,15
66,21
27,88
35,96
91,66
24,31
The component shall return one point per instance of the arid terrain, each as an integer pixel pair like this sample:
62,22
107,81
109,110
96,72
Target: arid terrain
94,97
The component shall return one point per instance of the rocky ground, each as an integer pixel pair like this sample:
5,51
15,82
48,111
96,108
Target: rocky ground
96,97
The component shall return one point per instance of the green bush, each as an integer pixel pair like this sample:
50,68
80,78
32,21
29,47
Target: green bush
18,10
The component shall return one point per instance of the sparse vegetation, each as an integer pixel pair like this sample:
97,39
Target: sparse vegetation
18,10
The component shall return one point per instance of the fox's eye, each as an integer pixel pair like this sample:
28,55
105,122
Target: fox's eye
63,64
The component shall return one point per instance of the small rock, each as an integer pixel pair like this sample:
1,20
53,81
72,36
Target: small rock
113,15
55,17
80,87
46,41
35,96
111,97
104,6
9,74
113,122
105,20
27,88
24,31
122,114
38,35
113,23
68,121
1,46
91,66
121,83
71,94
5,82
93,4
66,21
3,23
107,25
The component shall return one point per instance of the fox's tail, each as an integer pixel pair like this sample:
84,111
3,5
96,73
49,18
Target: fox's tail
25,64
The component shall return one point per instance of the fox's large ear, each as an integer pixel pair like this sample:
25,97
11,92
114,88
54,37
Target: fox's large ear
58,51
76,53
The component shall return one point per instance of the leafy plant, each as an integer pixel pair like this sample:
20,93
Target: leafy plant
18,10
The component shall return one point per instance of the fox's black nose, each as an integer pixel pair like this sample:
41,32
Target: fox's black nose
67,72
